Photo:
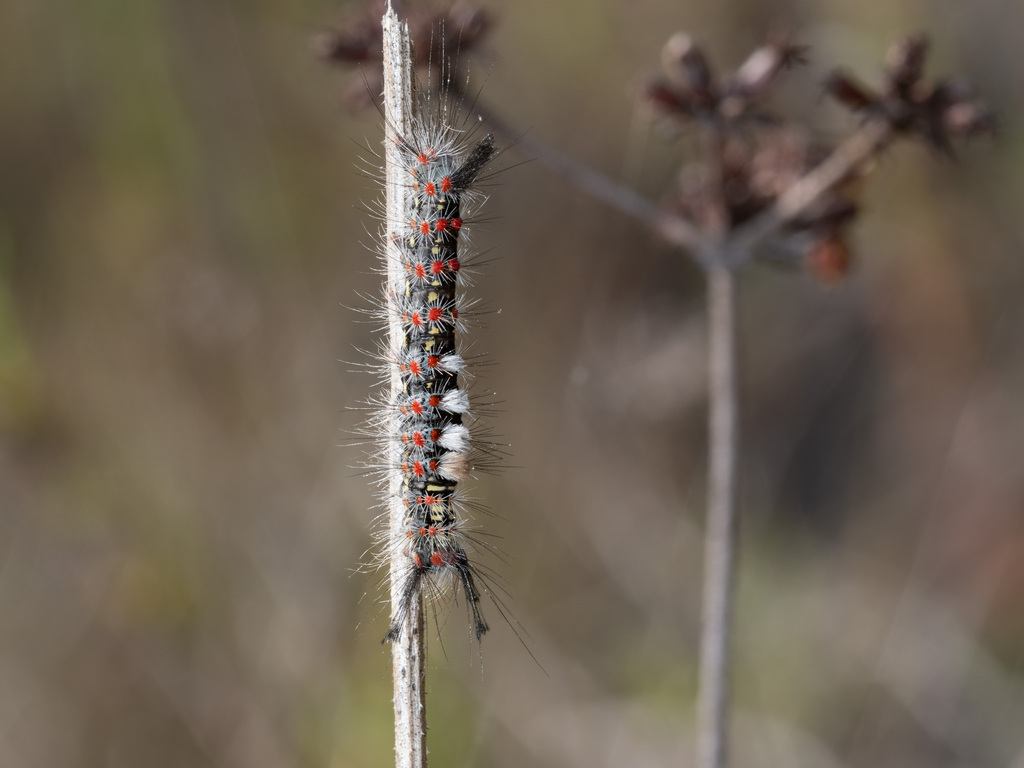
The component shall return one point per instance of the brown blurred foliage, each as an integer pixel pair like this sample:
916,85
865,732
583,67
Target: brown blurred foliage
181,233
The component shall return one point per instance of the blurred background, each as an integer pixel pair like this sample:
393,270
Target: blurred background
183,236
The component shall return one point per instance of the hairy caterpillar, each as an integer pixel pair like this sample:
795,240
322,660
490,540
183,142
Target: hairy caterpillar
424,427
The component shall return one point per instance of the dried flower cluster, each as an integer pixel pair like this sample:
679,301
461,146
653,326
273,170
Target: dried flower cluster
689,90
442,33
759,157
937,111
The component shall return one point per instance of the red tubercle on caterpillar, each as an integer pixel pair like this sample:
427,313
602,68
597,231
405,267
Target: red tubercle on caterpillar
443,557
419,407
441,225
436,314
425,271
456,223
432,361
425,228
446,184
418,439
416,468
437,267
430,189
438,559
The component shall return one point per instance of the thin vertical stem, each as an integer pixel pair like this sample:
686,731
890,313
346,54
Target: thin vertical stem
722,523
408,651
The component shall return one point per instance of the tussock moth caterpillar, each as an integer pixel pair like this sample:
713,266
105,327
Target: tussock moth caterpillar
426,445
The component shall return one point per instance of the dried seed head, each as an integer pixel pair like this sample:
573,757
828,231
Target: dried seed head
763,67
442,34
663,98
934,112
905,64
848,92
783,157
829,258
685,62
968,119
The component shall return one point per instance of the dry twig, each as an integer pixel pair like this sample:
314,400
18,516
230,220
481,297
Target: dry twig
408,651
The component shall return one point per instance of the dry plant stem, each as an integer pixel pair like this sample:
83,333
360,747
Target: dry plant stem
408,652
722,523
736,249
739,246
723,435
673,229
